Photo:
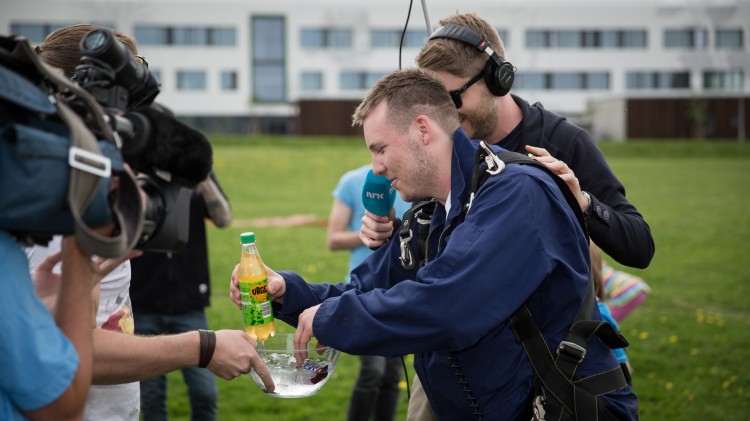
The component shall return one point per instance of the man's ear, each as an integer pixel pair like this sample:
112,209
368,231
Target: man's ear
424,127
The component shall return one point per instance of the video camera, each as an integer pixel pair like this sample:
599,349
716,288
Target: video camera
169,157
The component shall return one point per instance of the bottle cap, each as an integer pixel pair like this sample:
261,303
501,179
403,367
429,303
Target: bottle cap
247,237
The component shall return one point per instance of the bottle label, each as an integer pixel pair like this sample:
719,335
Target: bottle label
256,308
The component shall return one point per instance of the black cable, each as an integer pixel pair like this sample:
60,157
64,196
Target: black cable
406,376
400,46
403,33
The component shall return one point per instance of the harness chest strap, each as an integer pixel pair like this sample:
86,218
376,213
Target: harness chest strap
422,214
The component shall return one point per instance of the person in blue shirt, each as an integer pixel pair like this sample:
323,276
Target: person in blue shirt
47,357
376,390
519,243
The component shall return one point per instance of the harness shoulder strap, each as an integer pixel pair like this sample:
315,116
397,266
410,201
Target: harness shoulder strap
507,157
557,373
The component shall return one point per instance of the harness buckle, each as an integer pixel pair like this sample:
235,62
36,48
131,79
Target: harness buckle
407,258
494,164
572,350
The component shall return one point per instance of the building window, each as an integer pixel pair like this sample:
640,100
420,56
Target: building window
529,81
631,39
596,81
190,36
723,80
191,80
657,80
391,38
566,39
185,35
33,31
37,32
152,35
228,80
503,33
269,67
690,38
589,38
353,80
326,38
222,36
566,81
311,81
562,81
536,39
729,39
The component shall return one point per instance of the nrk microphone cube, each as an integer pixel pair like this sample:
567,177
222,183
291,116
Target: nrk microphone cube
377,194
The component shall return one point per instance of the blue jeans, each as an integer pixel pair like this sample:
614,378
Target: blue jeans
375,394
201,383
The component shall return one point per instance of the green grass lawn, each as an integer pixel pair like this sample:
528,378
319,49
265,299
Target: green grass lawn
690,349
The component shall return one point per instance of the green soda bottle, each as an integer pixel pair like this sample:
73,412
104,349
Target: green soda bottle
253,283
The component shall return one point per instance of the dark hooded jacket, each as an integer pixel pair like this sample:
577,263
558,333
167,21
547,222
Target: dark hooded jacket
614,224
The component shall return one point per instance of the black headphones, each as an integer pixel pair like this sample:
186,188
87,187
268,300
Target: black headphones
498,73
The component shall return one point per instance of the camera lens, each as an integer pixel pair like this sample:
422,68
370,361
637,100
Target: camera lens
94,40
101,46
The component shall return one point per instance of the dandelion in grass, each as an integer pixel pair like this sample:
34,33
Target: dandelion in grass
694,352
728,382
643,335
663,319
673,339
700,316
669,385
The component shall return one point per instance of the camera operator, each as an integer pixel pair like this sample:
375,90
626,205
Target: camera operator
121,360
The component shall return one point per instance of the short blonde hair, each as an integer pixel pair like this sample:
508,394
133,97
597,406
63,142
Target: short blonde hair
455,57
409,93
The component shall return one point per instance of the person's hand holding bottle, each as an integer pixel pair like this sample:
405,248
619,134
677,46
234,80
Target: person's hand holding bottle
276,286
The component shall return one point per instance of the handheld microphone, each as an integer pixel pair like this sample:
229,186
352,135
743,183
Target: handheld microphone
377,194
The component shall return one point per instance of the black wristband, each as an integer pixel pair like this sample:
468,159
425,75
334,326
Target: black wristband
207,346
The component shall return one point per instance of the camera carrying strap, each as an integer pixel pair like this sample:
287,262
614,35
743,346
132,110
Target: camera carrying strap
88,166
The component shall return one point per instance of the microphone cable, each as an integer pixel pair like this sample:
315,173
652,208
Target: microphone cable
403,34
400,47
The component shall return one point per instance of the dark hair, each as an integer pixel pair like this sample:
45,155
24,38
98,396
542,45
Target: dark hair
62,47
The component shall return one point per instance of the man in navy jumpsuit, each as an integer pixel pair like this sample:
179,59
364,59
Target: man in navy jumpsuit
518,243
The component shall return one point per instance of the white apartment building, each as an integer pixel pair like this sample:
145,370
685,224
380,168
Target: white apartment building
244,65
